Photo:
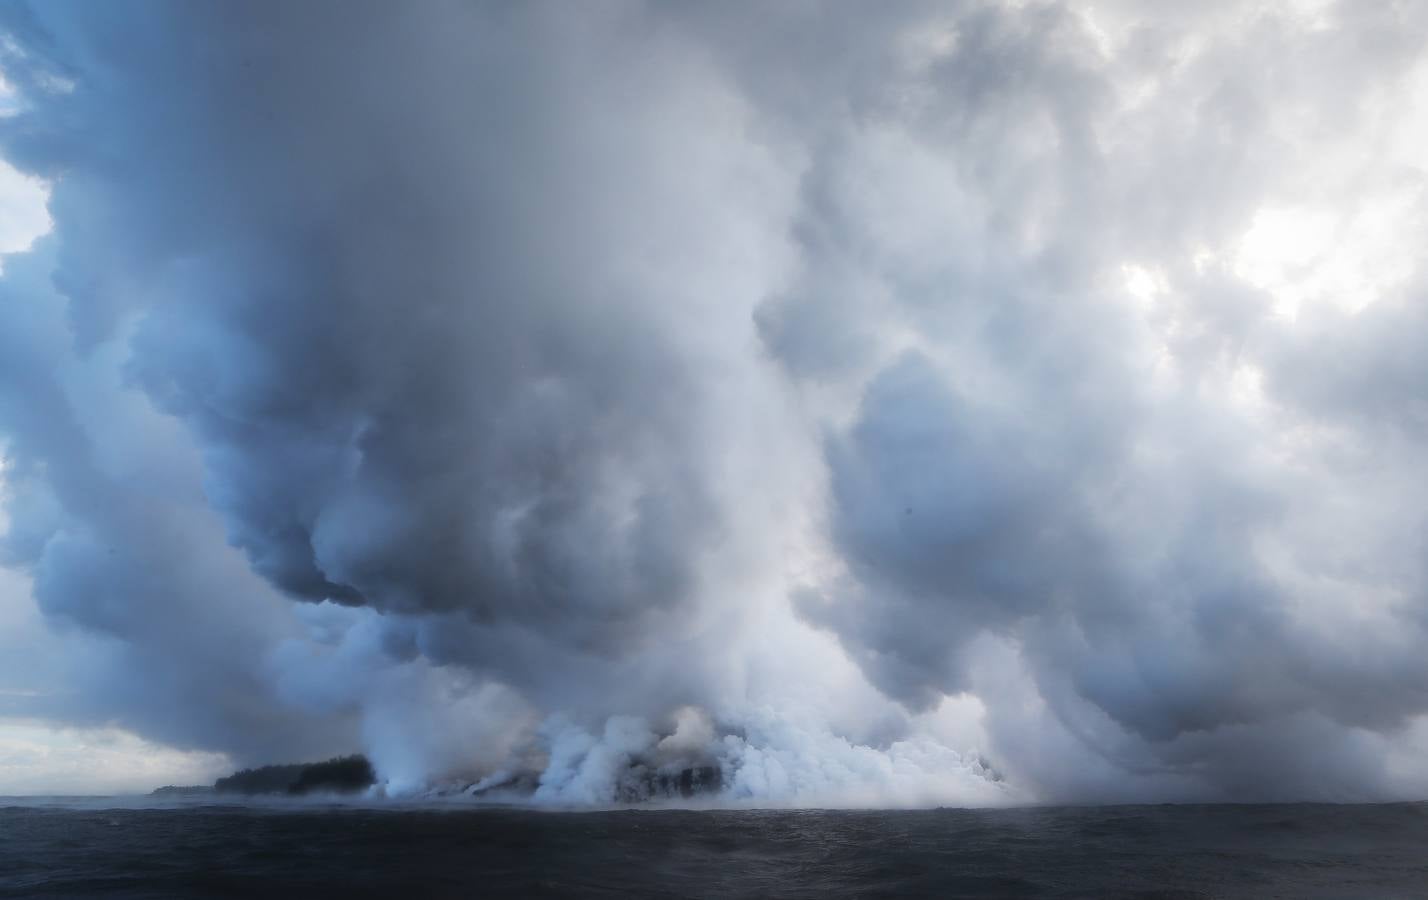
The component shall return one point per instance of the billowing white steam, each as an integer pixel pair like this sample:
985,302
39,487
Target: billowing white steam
858,405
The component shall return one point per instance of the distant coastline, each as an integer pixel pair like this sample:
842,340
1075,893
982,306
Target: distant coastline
181,790
340,775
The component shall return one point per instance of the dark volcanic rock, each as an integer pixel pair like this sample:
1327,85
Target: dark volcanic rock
342,775
696,780
669,783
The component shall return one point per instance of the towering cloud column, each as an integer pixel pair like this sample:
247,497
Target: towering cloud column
903,405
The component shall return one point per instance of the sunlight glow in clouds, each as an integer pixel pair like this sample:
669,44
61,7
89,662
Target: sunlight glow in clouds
23,216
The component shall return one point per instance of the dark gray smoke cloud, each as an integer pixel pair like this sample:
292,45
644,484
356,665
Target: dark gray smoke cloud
840,395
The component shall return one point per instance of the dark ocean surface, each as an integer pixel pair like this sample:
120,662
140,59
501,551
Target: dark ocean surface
126,848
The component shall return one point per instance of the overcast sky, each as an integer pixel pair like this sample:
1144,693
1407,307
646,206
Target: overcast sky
891,404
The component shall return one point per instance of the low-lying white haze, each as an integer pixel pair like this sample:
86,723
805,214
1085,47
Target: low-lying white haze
885,404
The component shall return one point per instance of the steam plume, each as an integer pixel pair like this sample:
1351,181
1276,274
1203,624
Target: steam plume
921,404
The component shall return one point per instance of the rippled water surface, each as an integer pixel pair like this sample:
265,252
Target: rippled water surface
126,849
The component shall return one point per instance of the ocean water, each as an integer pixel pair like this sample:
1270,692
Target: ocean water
111,848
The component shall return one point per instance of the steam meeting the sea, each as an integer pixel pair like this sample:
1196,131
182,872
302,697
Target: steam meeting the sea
675,448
